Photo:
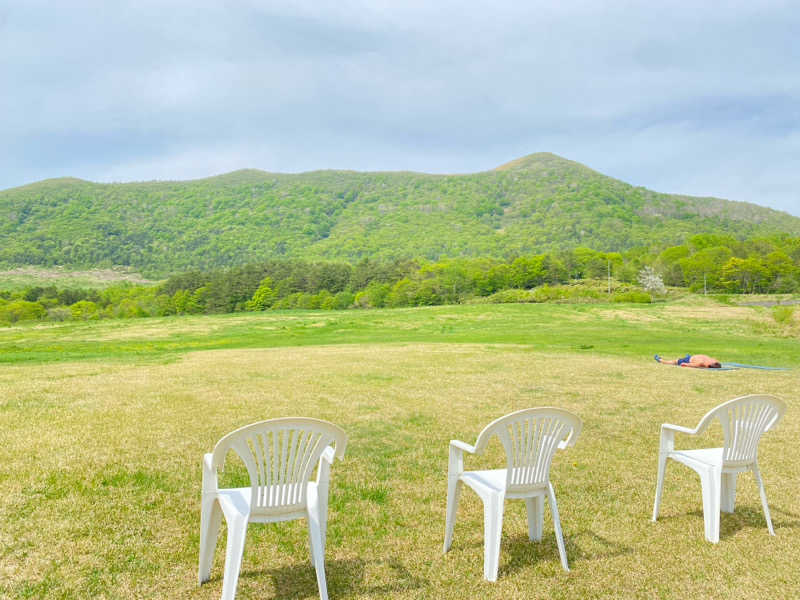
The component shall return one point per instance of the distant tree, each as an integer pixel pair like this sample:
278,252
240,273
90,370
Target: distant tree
703,270
84,310
744,275
702,241
589,263
326,300
780,270
126,309
374,296
59,313
36,293
185,302
21,310
669,264
343,300
528,271
497,278
263,298
651,281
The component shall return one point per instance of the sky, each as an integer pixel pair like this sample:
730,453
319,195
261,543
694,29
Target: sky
699,98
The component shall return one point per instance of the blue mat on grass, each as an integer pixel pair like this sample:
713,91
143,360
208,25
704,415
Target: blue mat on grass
741,366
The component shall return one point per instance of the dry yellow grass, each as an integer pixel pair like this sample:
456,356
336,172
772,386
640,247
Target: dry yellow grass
157,329
94,278
672,312
101,476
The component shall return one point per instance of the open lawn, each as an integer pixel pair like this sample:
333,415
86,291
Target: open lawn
104,426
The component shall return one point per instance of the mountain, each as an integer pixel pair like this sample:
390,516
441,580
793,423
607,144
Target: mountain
536,203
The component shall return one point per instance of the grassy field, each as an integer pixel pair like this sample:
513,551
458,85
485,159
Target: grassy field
24,277
104,425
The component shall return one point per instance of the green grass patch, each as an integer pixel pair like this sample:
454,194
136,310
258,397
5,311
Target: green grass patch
744,334
104,425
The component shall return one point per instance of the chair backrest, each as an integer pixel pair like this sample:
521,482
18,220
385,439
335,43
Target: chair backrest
530,438
280,456
744,420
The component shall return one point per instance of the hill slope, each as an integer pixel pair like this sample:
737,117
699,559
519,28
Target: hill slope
536,203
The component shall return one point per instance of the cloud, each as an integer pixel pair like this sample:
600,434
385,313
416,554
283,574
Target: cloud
679,96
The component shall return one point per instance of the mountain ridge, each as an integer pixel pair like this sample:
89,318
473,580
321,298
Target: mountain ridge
538,202
523,163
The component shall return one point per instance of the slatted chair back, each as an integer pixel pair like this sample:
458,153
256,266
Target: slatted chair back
280,456
744,420
530,438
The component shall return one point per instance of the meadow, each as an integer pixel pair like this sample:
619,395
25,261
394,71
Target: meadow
26,277
104,425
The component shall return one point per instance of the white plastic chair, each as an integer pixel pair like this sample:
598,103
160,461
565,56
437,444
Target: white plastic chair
280,456
743,422
530,438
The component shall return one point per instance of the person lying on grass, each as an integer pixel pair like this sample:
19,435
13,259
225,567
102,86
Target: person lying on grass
697,361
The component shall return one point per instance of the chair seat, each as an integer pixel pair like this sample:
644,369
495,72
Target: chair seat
708,457
704,456
235,503
493,480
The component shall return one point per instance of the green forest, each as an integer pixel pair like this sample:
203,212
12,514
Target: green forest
536,205
539,229
709,263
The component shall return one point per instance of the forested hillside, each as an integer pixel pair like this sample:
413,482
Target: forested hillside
539,203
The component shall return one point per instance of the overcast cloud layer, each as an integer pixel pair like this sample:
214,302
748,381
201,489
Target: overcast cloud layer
700,98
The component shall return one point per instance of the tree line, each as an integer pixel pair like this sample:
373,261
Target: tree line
705,263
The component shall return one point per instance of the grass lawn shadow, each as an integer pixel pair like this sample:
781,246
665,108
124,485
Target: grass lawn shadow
346,577
583,545
748,517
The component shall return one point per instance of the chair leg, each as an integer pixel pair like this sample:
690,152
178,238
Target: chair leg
317,505
710,480
453,495
535,508
763,495
318,552
237,531
492,532
557,525
662,467
322,507
728,492
210,521
310,547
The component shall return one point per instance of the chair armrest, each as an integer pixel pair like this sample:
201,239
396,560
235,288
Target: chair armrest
325,462
462,446
678,428
570,441
209,474
328,454
667,442
455,465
